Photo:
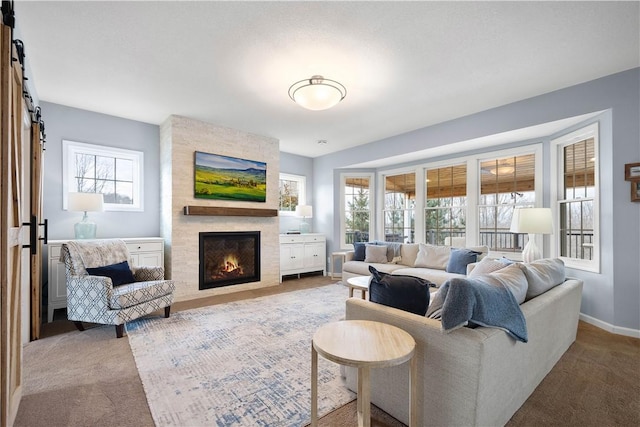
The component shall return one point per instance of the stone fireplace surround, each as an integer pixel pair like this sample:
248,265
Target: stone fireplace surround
180,137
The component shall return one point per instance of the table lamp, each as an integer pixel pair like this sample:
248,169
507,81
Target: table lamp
305,211
531,221
85,202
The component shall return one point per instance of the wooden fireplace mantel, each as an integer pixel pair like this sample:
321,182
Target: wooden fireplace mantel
224,211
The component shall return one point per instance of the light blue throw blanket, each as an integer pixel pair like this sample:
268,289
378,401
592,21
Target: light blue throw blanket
459,301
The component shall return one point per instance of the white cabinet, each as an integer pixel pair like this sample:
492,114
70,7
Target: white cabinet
147,251
302,253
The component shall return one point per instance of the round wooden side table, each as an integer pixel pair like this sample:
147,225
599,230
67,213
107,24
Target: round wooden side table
364,344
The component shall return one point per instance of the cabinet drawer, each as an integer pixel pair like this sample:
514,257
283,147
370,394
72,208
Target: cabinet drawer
311,239
144,246
293,238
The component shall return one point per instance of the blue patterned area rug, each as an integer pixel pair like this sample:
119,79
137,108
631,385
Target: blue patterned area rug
245,363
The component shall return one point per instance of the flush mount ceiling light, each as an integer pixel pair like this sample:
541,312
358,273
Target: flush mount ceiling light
317,93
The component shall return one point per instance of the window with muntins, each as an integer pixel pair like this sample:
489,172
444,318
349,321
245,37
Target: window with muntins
505,183
357,203
577,198
114,172
399,207
445,209
292,192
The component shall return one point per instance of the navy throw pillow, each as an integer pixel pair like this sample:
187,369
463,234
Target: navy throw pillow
359,251
406,293
120,273
459,259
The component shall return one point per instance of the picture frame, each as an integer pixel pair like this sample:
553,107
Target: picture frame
218,177
632,172
635,191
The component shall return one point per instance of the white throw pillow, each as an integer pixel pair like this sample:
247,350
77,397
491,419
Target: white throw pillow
375,253
512,277
542,275
430,256
486,266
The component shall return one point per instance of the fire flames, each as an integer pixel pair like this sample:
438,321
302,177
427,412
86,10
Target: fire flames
230,264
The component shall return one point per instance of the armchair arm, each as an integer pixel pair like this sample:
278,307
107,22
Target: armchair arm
145,274
349,256
87,297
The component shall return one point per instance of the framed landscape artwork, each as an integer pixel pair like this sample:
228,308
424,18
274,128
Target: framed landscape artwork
229,178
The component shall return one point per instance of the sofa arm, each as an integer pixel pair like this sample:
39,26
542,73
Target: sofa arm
449,367
146,274
348,256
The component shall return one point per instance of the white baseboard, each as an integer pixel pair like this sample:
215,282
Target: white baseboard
635,333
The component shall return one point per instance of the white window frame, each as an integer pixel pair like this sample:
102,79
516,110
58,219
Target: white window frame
71,148
372,204
382,177
302,194
536,150
557,190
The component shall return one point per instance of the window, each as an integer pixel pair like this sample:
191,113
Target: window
505,183
446,205
116,173
577,198
399,207
292,193
356,205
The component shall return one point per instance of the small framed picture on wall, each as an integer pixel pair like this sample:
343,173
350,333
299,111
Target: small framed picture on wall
635,191
632,172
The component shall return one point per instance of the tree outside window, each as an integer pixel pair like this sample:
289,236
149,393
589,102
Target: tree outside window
114,172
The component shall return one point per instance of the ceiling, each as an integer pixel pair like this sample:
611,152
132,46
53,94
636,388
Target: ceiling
406,65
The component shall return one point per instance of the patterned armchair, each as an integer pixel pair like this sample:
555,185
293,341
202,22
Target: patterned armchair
95,299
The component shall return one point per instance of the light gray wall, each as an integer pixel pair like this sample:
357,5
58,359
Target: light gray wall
66,123
297,165
613,296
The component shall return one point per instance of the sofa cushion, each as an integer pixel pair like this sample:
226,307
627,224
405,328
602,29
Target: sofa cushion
359,249
510,277
459,259
376,253
486,266
406,293
408,253
431,274
542,275
431,256
119,273
360,268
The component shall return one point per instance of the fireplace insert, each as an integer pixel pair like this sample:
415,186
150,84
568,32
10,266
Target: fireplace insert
229,258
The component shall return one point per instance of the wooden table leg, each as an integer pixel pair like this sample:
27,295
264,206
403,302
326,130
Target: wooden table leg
350,292
364,397
314,386
413,392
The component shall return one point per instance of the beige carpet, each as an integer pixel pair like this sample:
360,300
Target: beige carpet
89,378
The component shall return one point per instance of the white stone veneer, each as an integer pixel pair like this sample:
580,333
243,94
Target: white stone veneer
180,138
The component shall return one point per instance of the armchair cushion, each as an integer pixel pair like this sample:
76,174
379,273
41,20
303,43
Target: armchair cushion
135,293
119,273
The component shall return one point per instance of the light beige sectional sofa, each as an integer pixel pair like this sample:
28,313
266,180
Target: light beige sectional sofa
472,377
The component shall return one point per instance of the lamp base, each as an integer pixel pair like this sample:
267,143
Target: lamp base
85,229
531,251
304,227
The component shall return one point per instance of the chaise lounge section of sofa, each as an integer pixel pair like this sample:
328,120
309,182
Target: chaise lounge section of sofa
472,376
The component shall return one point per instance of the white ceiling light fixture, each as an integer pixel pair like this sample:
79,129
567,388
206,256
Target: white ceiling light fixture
317,93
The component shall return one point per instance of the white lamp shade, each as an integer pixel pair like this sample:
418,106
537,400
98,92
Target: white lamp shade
532,221
87,202
305,211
